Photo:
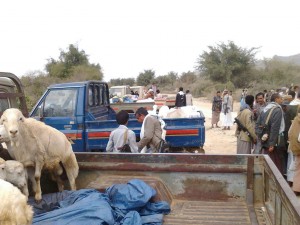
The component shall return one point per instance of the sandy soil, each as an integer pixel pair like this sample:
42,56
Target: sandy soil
217,141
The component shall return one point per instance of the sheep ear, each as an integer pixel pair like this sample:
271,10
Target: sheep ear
1,121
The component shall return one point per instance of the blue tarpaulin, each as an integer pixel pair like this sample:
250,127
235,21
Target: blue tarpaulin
127,204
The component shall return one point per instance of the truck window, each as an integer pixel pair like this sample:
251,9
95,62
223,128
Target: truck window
97,95
104,94
91,96
4,104
60,103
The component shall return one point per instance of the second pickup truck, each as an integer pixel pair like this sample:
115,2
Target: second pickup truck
82,111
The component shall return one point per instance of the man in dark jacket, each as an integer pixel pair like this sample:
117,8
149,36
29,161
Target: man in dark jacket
180,98
273,141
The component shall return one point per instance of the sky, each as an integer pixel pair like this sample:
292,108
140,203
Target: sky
127,37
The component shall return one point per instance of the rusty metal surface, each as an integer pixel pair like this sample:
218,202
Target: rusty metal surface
198,186
163,162
208,213
182,158
250,170
280,201
187,176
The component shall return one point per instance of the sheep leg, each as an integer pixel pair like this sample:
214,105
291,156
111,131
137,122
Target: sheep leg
30,172
58,170
37,176
71,168
71,178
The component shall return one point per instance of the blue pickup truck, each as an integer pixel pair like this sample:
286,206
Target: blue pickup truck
81,110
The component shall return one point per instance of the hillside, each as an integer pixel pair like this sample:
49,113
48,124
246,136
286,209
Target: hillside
295,59
291,59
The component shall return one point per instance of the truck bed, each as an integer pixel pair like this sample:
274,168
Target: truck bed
201,189
186,211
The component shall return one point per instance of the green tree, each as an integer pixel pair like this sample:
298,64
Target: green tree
145,78
162,80
227,63
279,73
188,77
173,77
72,62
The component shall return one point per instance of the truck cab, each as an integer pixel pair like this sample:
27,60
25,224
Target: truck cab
139,90
11,93
119,91
68,107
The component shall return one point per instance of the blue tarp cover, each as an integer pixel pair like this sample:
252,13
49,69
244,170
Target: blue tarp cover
126,204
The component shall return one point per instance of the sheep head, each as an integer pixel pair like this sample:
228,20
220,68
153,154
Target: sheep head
11,120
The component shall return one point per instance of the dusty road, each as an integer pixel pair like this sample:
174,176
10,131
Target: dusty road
217,141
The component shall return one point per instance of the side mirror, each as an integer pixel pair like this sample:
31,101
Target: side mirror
40,112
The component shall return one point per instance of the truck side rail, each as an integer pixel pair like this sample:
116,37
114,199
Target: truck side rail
279,200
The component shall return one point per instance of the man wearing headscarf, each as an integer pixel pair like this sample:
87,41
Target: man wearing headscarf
273,143
246,138
216,109
227,121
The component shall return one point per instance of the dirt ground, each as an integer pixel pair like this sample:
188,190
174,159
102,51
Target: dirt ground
217,141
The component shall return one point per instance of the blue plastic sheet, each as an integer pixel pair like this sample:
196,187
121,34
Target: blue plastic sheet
85,206
126,204
131,196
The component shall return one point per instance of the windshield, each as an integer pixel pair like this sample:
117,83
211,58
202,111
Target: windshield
60,103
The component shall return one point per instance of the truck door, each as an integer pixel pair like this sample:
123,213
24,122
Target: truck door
97,114
58,109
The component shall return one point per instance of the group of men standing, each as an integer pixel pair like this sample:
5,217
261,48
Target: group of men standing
263,128
183,99
222,103
150,135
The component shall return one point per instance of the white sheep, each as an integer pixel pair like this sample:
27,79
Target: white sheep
184,112
15,173
163,111
13,207
4,138
39,146
176,113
